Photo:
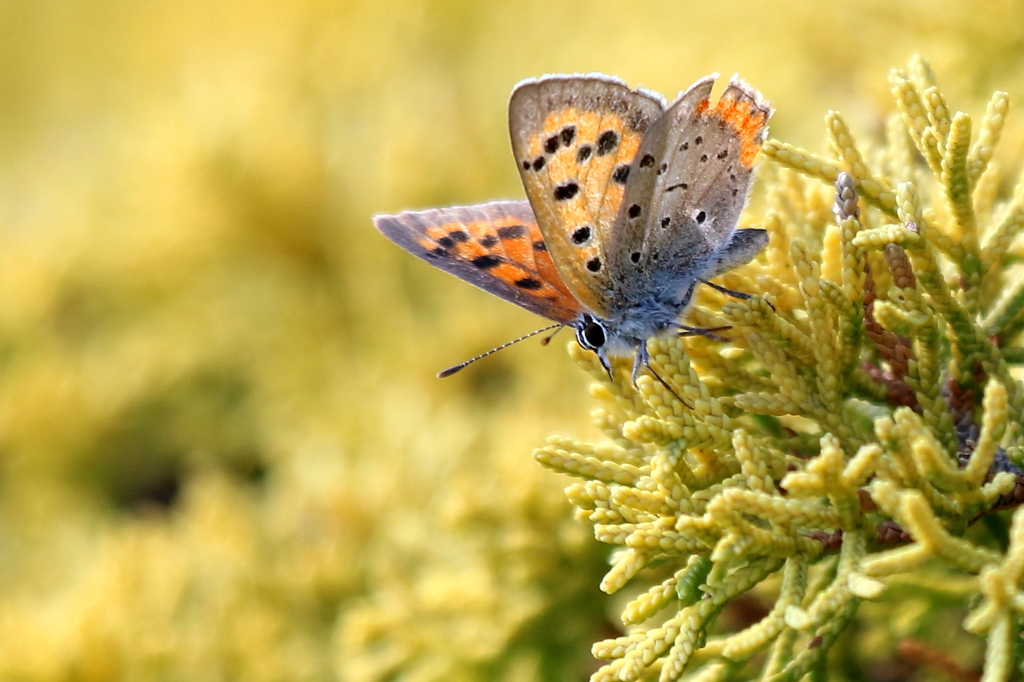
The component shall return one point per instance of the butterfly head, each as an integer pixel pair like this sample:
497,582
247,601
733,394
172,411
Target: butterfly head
624,332
591,333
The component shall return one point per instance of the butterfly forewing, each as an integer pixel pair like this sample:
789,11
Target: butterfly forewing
689,183
574,139
496,246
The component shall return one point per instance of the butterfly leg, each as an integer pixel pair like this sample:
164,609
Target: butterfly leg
641,360
705,332
607,365
729,292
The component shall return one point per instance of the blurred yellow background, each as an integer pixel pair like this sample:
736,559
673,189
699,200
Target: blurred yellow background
223,451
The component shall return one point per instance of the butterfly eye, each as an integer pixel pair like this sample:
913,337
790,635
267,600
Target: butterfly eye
591,334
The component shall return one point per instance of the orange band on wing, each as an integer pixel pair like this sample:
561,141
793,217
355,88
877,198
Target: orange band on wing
516,264
747,120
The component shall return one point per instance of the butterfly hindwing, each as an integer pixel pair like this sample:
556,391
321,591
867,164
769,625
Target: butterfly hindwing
496,246
574,139
688,185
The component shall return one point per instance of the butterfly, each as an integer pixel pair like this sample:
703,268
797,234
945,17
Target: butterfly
631,203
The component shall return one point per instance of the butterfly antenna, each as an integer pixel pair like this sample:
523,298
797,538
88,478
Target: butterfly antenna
452,370
547,339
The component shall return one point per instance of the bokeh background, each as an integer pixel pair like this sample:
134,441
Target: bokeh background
223,451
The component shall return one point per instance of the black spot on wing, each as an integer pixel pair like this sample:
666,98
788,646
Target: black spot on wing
607,142
621,174
488,241
583,153
568,134
647,161
700,217
567,190
528,283
678,185
512,232
457,236
551,144
594,264
581,235
486,261
540,246
538,163
634,211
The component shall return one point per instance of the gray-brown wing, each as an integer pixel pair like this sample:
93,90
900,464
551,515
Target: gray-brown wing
574,138
496,246
687,186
